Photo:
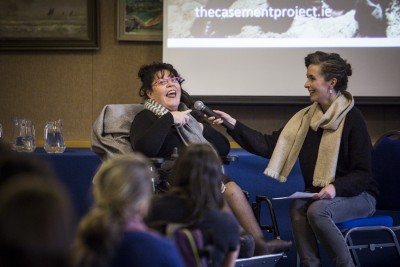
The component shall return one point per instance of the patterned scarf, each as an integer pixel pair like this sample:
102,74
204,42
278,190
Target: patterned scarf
191,132
293,134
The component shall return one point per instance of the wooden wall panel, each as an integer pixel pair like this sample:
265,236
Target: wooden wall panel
47,86
117,63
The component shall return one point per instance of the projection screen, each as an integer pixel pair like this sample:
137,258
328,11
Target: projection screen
253,50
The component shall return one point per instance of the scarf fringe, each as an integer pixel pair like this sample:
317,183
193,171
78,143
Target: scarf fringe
273,174
319,182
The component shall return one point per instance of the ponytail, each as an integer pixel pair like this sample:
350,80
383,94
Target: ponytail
98,233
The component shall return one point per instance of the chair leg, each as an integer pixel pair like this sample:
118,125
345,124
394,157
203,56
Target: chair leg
353,251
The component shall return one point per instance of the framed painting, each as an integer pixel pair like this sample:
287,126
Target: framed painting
49,25
140,20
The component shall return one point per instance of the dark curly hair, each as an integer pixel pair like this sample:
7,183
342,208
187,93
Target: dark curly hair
332,66
147,74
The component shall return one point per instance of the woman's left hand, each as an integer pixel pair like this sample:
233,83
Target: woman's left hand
328,192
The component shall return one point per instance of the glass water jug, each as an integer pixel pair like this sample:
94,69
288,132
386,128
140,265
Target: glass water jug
53,137
24,136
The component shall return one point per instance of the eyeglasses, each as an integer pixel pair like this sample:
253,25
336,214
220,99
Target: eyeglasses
164,81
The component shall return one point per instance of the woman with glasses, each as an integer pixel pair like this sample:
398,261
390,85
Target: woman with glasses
331,140
168,123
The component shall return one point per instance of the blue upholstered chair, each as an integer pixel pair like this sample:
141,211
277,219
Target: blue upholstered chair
386,171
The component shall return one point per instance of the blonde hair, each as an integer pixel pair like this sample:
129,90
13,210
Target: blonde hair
122,189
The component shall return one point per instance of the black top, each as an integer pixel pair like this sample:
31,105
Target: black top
157,137
353,171
219,228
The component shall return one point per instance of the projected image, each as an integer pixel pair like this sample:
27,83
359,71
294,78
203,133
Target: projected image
346,21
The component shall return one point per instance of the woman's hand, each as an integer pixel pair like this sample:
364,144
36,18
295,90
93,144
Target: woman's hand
328,192
224,117
181,117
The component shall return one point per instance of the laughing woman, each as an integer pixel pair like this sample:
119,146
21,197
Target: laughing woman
331,141
167,122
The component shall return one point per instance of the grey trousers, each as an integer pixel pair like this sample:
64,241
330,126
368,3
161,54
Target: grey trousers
314,221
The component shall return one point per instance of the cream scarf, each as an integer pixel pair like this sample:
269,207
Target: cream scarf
293,134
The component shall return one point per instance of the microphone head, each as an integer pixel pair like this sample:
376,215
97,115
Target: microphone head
198,105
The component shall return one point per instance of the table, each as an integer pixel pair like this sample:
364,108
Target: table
75,168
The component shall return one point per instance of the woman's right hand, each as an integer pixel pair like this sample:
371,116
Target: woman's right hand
224,117
181,117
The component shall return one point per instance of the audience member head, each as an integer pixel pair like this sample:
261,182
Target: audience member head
123,186
332,66
197,175
122,190
14,164
36,222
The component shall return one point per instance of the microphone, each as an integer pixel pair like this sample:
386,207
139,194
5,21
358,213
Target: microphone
198,105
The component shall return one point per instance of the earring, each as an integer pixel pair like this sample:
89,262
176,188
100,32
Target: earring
330,90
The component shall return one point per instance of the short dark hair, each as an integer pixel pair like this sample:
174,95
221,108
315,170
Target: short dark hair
146,75
332,66
147,72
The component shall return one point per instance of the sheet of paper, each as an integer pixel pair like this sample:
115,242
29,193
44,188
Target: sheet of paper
297,195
